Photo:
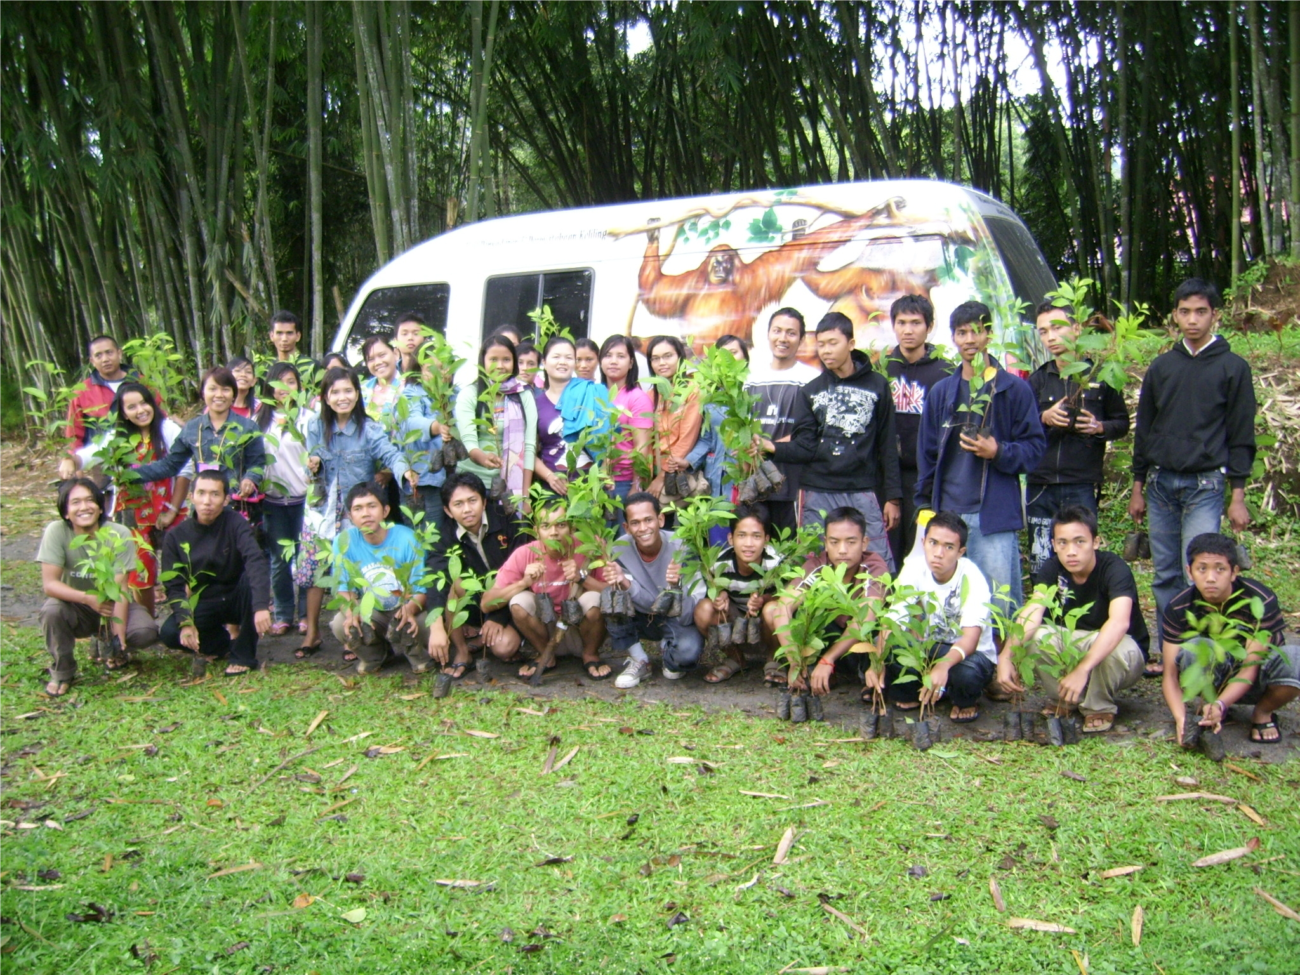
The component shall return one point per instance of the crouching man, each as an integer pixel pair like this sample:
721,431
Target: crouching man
1111,631
70,610
549,570
646,564
384,561
1268,676
215,557
955,630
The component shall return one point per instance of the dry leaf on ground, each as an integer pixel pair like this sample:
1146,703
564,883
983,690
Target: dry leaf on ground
1029,924
1227,856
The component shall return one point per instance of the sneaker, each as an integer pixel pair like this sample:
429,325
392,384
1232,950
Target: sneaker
673,674
632,674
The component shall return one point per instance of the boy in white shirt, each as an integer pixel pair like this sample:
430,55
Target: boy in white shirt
956,627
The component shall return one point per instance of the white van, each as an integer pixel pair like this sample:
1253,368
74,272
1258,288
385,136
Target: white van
707,266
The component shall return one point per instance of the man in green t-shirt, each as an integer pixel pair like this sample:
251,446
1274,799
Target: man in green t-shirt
71,609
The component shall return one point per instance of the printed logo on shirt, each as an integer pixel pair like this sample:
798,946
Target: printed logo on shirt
382,581
846,408
945,622
909,396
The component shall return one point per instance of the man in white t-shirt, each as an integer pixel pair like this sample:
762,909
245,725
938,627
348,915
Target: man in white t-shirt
956,626
778,386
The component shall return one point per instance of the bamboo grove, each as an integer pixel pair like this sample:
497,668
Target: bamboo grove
188,167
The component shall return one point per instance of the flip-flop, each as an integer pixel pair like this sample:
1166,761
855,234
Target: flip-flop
907,705
1098,729
533,664
278,629
1260,728
237,673
56,684
457,671
774,674
1153,670
302,653
591,665
968,720
349,656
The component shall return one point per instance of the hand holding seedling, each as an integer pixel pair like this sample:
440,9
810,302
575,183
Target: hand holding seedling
313,464
570,569
104,607
1212,716
616,577
1087,424
439,642
262,622
820,678
351,623
722,603
407,617
983,446
190,637
1056,416
484,459
67,468
1238,513
246,490
673,574
1072,685
413,479
938,684
534,572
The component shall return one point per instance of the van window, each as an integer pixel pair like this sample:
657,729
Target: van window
379,313
1031,278
510,297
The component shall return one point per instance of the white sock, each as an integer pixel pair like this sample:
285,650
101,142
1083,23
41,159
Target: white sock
637,652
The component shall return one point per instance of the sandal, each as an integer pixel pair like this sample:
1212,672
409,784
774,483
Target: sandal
907,705
1257,730
235,670
116,663
278,629
774,674
305,651
726,670
1154,668
457,670
349,656
302,626
57,688
967,720
532,668
594,665
1098,724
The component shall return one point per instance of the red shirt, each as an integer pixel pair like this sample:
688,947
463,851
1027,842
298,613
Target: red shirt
552,583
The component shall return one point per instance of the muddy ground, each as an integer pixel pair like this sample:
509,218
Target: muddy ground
1143,714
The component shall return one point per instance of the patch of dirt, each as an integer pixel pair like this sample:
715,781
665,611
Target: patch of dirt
1273,304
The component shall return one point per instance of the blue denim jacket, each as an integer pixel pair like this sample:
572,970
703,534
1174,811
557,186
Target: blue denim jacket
352,456
238,449
420,414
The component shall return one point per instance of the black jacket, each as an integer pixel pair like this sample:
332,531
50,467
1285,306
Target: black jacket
909,382
844,434
219,555
1073,458
499,541
1196,414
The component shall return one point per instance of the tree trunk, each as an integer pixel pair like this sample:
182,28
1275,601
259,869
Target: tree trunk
315,44
1293,66
1234,87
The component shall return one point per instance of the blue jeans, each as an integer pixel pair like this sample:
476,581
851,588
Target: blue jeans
681,644
814,503
1179,507
282,522
1045,500
998,556
619,492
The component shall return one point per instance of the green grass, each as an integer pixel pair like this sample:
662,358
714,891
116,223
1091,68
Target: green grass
24,576
964,812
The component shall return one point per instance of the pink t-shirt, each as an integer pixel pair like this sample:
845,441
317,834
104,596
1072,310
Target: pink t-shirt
636,411
553,583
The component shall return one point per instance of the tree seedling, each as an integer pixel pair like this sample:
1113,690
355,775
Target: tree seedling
103,553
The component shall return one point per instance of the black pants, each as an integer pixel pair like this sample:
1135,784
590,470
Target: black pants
783,514
903,535
213,612
966,681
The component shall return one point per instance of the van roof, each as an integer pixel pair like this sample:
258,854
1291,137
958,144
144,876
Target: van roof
566,235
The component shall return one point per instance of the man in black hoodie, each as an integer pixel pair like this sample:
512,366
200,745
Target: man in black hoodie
1195,430
1078,423
912,368
216,575
844,435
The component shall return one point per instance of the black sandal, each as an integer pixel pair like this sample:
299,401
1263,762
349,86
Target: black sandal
595,664
457,670
1260,728
303,652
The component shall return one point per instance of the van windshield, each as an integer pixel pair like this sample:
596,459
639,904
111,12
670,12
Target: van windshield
383,307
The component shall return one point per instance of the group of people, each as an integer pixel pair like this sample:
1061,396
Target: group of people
438,535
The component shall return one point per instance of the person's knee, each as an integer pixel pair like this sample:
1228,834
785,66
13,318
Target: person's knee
520,613
704,614
506,643
55,611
